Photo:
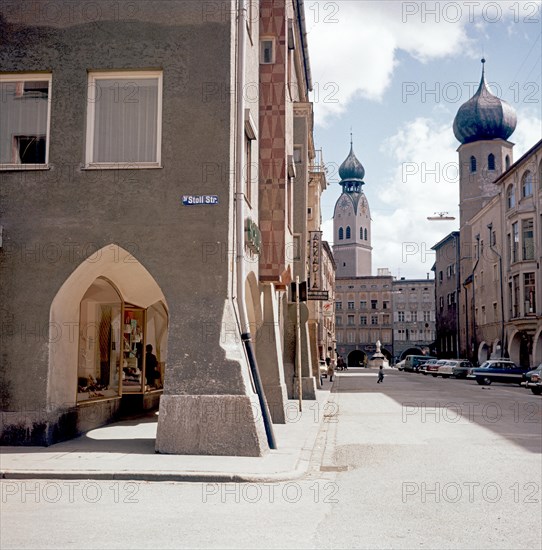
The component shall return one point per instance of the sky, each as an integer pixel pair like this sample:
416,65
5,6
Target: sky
395,74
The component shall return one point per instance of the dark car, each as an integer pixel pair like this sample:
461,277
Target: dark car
413,362
534,380
498,370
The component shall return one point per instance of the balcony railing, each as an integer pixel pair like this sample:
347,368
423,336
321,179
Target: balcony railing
317,164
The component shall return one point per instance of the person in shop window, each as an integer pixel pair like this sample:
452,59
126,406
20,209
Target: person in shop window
151,366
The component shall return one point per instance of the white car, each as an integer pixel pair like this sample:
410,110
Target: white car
446,368
400,365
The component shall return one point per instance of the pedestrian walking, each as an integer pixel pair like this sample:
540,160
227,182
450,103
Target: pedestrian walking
380,375
331,369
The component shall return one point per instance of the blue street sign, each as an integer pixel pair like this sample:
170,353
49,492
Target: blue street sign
192,200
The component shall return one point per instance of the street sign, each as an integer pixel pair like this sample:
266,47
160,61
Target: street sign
193,200
327,309
318,295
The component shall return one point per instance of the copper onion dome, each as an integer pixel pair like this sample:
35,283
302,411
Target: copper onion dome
484,116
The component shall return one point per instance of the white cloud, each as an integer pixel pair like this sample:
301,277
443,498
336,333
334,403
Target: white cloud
423,180
528,130
354,44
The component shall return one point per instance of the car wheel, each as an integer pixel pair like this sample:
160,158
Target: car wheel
487,381
537,391
445,376
435,375
480,381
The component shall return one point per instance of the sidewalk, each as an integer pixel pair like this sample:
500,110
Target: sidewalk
125,450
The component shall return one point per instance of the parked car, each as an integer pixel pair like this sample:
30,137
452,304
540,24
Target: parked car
459,368
498,370
534,380
425,364
413,362
400,365
433,367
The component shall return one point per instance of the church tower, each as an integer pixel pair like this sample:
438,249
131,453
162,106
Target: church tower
352,222
482,125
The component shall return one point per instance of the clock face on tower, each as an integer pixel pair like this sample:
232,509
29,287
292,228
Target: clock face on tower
344,204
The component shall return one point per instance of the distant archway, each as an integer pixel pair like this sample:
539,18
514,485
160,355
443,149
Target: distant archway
387,354
537,348
520,348
356,358
411,351
483,352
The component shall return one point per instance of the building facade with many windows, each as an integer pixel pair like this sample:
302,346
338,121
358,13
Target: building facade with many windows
447,288
506,281
413,317
500,237
363,315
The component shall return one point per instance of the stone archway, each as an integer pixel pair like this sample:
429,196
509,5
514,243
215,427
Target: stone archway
411,351
537,348
356,358
387,354
520,348
135,285
496,349
483,352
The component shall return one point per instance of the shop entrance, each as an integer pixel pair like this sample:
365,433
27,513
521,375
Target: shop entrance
108,350
122,348
356,358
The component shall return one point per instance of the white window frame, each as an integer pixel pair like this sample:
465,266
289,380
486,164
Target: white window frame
18,77
121,75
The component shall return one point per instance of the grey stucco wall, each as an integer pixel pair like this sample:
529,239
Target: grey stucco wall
52,220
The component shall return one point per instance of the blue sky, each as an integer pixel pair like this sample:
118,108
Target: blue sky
396,73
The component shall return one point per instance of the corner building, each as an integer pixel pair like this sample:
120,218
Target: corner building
123,198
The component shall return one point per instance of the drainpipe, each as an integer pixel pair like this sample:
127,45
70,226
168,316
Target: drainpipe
474,335
470,280
466,287
490,227
240,223
458,289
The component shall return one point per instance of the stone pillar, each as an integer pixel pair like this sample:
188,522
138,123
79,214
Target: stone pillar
269,356
309,381
208,406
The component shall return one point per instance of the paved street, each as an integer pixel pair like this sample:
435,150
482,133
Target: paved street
415,462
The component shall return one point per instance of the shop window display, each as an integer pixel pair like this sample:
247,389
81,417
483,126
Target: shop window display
98,373
133,350
122,347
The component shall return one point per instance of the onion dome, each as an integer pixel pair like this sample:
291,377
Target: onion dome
484,116
352,169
